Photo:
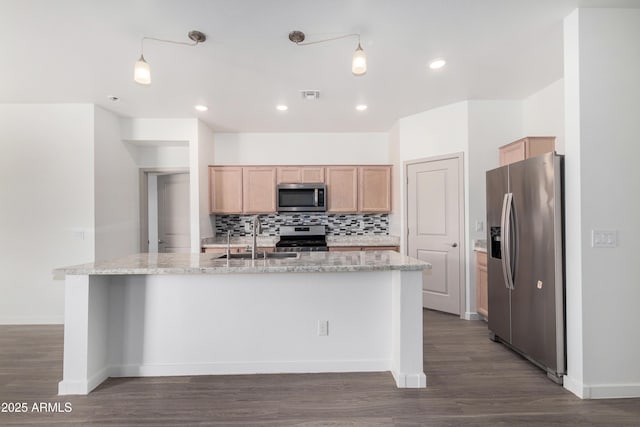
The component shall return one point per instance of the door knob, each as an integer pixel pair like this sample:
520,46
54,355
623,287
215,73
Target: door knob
454,245
160,242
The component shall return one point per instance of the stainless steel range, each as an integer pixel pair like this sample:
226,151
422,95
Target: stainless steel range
302,238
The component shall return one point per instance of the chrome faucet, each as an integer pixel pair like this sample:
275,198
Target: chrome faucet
255,229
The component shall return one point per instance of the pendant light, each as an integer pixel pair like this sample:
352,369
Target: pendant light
142,70
359,61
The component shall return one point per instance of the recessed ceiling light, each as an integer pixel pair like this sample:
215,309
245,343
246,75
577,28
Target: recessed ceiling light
361,107
282,107
113,98
201,107
437,63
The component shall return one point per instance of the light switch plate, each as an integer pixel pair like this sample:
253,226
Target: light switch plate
479,225
604,238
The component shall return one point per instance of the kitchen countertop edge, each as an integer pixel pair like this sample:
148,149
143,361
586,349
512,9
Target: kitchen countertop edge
189,264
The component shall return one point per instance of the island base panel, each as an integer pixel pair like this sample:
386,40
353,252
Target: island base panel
164,325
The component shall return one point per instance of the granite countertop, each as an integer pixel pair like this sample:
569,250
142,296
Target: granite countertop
270,241
307,262
366,240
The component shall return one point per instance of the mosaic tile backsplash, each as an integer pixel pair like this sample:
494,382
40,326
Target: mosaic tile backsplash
337,224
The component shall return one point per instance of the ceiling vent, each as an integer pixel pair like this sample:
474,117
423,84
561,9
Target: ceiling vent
310,95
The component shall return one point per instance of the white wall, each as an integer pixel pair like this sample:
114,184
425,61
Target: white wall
169,144
301,148
474,128
491,125
206,157
395,218
153,155
432,133
602,188
116,190
543,113
47,214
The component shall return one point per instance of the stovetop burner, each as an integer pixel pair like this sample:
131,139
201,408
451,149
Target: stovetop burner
294,238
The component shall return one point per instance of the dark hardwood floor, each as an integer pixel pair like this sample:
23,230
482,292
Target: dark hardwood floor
471,382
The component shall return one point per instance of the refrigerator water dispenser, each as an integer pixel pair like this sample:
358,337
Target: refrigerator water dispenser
495,243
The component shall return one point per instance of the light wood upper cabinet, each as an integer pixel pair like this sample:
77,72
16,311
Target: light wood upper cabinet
342,189
300,174
225,189
259,189
374,189
252,189
524,148
482,287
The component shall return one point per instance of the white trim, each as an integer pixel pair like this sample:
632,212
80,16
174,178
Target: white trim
143,174
66,387
250,367
404,380
472,315
601,391
462,222
32,320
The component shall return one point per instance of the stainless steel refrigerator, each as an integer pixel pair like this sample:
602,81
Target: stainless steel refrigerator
525,260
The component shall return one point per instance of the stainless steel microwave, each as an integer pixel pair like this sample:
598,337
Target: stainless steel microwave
309,197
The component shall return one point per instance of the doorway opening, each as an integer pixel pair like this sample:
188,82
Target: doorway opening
164,210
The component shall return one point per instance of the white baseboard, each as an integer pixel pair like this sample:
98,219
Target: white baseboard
601,391
472,315
66,387
240,368
32,320
409,380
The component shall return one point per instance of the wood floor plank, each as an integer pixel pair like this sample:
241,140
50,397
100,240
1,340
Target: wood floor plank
471,382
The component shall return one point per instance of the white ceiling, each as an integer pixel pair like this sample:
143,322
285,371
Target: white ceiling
68,51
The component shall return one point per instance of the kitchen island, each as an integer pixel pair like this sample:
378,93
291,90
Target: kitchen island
201,314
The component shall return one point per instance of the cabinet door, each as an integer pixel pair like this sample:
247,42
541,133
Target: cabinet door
312,174
374,189
537,145
259,195
344,248
342,189
524,148
288,175
513,152
482,297
225,189
299,174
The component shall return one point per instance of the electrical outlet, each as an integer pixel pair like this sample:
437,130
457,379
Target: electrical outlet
323,328
604,238
247,227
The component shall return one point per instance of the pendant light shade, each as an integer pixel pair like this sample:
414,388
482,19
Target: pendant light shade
142,72
359,62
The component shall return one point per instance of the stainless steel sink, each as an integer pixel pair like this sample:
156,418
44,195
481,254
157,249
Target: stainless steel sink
261,255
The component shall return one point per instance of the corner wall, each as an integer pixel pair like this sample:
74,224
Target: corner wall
602,188
117,227
47,214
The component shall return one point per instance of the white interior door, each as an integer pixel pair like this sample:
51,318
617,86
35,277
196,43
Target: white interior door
435,224
173,213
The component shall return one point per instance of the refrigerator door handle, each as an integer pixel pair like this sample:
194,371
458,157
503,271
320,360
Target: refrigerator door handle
505,239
